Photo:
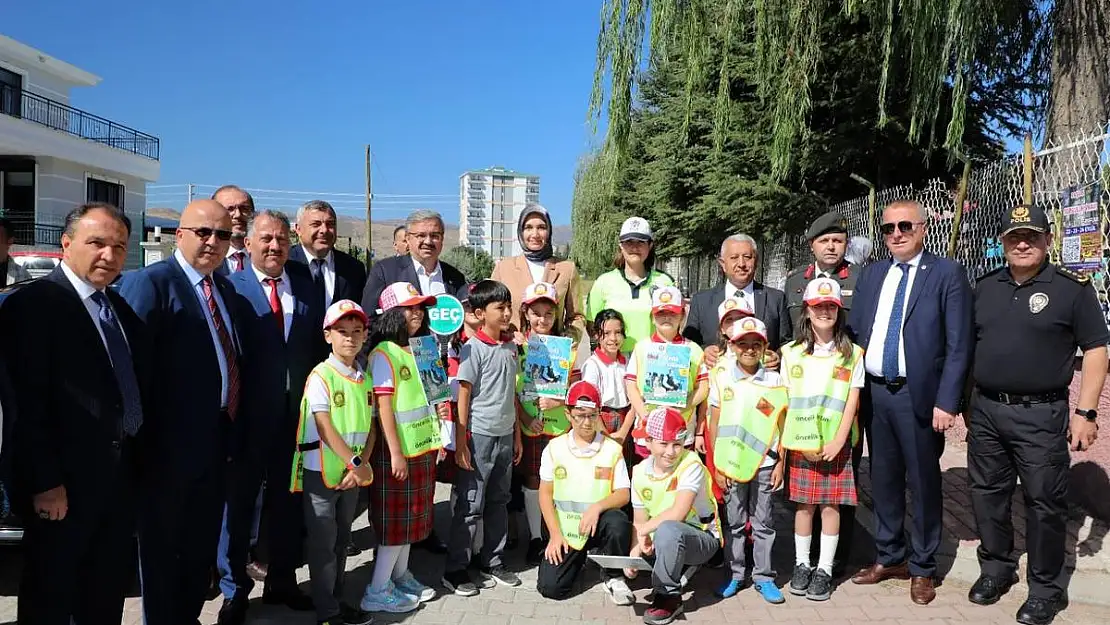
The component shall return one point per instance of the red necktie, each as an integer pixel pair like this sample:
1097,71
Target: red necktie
230,355
275,305
238,261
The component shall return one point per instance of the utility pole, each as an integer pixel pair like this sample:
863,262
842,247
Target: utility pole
369,198
189,193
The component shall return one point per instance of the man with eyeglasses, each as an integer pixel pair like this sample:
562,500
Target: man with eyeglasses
187,309
912,316
240,205
1030,319
421,267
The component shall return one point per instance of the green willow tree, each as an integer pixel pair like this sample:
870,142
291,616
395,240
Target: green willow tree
938,52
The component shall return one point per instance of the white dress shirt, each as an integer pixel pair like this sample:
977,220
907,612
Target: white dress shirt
230,261
329,273
196,279
748,292
430,283
285,295
85,292
873,358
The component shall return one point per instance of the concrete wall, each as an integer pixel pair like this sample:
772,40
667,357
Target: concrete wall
62,185
37,82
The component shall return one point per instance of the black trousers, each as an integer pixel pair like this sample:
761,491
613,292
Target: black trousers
612,538
283,513
79,568
1006,442
179,531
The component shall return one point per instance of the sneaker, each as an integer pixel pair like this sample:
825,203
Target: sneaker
618,591
664,609
820,588
730,589
412,587
801,579
388,600
770,592
501,575
459,583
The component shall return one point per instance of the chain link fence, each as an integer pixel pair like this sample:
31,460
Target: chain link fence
1070,179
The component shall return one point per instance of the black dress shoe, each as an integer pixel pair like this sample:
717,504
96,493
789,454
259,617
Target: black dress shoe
432,544
293,599
988,590
232,612
1038,611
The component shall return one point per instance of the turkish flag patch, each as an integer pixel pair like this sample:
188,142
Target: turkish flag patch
842,374
673,485
765,407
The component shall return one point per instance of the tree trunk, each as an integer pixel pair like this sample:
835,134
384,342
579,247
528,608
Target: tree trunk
1079,104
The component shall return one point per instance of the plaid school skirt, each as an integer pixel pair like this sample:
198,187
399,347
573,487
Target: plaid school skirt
402,511
533,450
613,418
822,482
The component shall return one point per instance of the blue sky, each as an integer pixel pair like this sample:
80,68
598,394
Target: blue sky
269,96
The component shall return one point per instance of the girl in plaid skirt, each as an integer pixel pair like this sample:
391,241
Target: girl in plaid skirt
605,369
824,372
544,418
405,454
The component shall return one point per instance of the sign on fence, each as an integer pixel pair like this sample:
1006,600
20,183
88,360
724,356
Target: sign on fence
1081,248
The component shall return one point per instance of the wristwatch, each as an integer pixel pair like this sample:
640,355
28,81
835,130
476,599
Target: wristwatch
356,461
1089,415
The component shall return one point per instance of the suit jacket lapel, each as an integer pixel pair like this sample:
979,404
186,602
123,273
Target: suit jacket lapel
924,270
550,271
760,300
408,273
59,277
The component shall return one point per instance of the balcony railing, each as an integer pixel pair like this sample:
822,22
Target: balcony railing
27,232
75,122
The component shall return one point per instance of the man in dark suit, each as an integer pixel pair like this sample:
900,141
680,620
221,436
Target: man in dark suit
240,205
282,342
913,318
76,353
421,267
186,308
738,260
335,275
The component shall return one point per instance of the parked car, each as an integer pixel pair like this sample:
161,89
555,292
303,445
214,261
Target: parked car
37,263
11,528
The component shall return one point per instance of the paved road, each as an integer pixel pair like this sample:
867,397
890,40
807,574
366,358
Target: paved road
889,603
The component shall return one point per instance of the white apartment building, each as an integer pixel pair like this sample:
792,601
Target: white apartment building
490,203
54,157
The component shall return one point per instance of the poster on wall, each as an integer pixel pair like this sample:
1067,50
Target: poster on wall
1081,247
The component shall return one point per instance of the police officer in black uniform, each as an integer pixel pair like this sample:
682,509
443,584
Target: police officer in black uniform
828,238
1030,317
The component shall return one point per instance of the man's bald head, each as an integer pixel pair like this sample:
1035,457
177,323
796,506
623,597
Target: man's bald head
204,234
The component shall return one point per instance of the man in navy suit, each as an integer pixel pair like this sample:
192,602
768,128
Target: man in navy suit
421,267
913,316
187,310
76,353
335,274
282,341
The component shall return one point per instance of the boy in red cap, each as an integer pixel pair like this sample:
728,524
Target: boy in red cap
583,487
675,512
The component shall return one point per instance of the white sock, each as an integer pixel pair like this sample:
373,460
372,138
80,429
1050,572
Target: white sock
801,549
402,565
384,561
828,552
532,511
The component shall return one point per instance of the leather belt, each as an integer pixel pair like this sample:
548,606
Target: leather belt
893,385
1028,398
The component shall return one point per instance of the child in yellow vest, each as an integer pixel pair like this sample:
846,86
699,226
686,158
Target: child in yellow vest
404,458
331,462
675,515
824,372
668,313
583,486
544,418
747,406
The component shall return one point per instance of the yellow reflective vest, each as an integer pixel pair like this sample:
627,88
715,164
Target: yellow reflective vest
350,414
819,388
658,493
580,482
748,425
417,422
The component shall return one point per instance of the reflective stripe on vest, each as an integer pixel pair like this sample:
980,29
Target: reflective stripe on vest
748,423
696,356
350,415
819,389
555,421
658,493
417,423
611,290
580,483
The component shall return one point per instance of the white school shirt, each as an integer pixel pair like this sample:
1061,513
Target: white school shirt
762,377
608,377
873,359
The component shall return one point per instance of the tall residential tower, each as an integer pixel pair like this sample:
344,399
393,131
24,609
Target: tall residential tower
490,202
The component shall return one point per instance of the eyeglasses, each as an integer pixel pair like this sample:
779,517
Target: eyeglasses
420,236
585,416
205,233
905,227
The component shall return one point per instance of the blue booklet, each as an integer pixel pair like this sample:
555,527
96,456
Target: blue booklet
433,373
666,376
547,366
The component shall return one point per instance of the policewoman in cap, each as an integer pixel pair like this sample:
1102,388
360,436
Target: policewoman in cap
627,288
828,239
1030,318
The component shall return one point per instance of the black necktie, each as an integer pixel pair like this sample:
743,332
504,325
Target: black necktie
122,364
317,267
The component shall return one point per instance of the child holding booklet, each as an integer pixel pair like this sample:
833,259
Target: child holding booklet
824,372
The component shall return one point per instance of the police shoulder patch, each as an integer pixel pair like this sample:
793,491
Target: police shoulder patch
1072,275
